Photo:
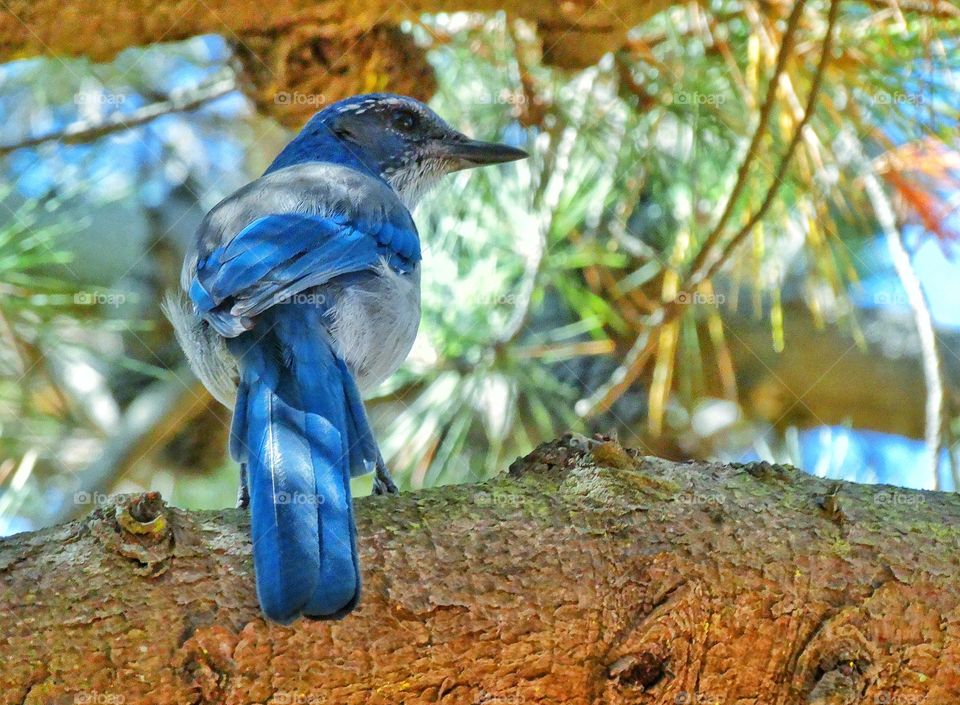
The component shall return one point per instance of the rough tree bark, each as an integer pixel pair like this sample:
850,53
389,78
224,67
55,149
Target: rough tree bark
100,29
298,54
581,576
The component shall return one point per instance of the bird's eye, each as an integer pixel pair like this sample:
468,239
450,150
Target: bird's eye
405,121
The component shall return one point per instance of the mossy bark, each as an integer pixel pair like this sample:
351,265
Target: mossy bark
587,574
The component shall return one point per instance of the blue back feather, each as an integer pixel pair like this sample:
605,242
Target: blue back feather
299,425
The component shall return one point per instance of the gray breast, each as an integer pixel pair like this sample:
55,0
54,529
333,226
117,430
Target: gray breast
375,320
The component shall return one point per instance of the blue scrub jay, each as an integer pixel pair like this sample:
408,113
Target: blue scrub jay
302,289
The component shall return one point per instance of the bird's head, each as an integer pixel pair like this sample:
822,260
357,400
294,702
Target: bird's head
395,137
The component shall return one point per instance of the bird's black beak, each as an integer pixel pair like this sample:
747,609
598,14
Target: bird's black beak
466,153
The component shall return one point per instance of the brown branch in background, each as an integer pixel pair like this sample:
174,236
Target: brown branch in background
637,357
84,131
786,47
645,100
623,377
151,420
933,9
785,161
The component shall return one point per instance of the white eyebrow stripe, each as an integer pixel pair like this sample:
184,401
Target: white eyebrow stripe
362,107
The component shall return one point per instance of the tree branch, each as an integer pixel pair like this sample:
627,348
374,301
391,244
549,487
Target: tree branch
586,575
573,35
705,266
84,131
703,259
785,161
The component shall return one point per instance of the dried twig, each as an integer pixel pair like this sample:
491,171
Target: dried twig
786,48
84,131
639,354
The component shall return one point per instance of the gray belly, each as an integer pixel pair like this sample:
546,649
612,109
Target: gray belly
375,321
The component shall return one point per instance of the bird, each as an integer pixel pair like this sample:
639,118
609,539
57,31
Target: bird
300,292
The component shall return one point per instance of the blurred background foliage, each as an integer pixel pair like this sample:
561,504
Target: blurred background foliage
734,239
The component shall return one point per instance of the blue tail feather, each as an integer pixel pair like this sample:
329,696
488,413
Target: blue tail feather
300,429
338,584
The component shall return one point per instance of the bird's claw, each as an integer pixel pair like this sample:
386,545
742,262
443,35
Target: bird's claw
382,481
243,492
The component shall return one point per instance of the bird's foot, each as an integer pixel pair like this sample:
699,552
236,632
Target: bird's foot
243,492
382,482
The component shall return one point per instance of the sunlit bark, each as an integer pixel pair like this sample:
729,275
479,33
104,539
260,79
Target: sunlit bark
578,577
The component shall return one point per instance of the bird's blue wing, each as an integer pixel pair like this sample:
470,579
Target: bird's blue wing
280,255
